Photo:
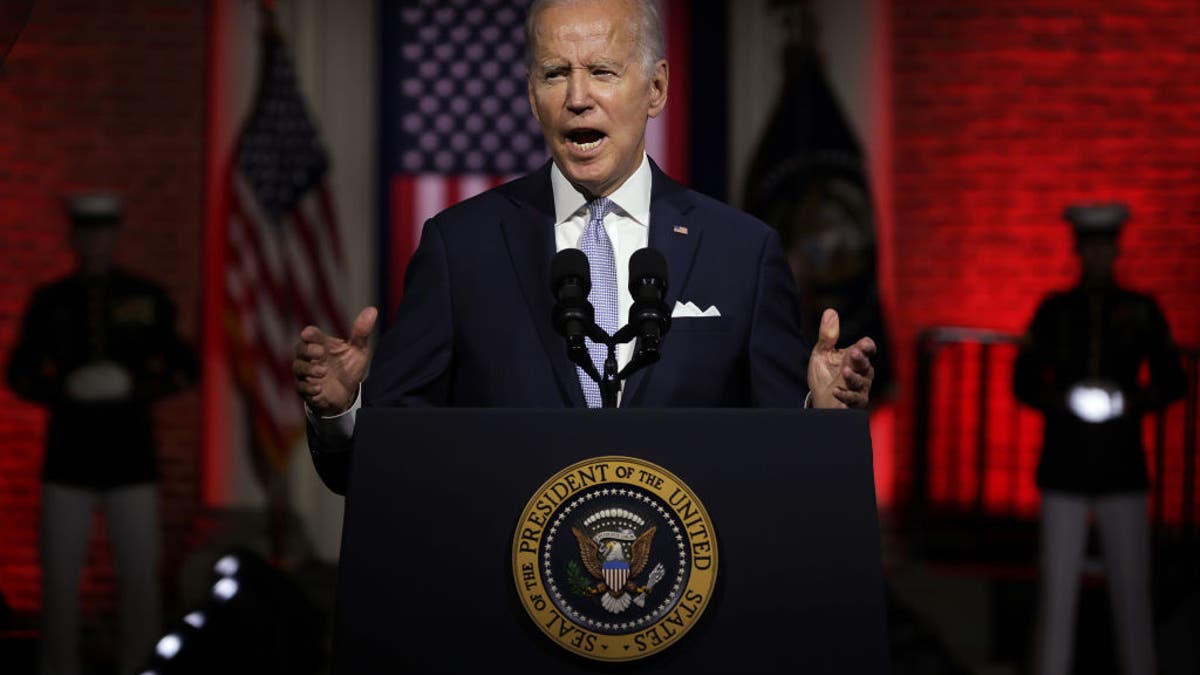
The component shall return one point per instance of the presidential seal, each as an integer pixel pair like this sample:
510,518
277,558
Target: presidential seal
614,558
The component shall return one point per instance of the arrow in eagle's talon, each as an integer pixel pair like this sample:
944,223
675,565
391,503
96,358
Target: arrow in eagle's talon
655,576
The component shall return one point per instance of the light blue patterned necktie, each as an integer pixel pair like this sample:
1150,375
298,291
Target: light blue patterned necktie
599,250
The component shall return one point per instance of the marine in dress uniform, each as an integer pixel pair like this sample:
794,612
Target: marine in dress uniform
96,349
1081,363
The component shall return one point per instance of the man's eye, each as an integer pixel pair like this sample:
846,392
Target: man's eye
554,74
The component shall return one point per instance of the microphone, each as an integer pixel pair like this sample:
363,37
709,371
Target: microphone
648,286
570,282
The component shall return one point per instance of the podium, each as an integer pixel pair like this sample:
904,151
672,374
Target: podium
426,582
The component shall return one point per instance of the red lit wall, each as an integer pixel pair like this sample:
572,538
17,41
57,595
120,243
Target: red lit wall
99,96
1003,113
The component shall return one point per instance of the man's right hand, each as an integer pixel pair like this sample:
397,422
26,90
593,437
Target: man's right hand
328,370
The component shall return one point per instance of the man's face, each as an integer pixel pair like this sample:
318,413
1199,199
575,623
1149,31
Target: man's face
94,246
590,92
1097,255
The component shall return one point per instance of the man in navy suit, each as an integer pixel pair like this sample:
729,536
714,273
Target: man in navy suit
474,327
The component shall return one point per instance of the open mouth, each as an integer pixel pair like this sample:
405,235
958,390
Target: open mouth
585,139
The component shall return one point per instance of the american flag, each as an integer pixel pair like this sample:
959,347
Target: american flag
456,118
284,265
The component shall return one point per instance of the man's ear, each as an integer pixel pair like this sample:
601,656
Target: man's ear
658,88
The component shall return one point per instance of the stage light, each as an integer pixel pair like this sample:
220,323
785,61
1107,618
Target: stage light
227,566
169,646
225,589
195,619
255,619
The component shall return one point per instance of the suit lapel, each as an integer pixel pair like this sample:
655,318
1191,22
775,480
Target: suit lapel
677,237
530,240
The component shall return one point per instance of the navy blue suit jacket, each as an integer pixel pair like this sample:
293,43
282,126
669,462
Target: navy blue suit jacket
474,328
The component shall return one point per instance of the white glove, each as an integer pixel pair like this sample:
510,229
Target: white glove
1096,401
99,382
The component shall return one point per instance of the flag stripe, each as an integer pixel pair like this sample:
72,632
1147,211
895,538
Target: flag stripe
471,185
260,329
301,273
251,256
324,309
433,195
400,238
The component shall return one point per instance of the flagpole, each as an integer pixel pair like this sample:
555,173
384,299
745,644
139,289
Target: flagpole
214,383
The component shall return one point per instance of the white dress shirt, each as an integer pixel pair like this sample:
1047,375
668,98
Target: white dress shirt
628,228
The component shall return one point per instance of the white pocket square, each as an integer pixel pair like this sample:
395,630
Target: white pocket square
689,309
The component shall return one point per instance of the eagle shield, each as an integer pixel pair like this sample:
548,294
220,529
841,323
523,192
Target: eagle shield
614,545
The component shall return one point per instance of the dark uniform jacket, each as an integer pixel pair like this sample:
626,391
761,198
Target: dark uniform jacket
1115,335
77,321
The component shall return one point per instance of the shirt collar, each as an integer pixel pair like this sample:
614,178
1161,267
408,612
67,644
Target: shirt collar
633,197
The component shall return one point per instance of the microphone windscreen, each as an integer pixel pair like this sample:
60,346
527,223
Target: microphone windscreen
568,263
646,262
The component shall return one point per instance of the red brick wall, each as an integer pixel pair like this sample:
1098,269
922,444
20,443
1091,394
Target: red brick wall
1006,112
100,96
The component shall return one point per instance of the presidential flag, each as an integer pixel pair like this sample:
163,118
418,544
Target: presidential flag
809,181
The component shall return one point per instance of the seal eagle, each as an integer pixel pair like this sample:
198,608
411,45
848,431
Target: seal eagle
605,558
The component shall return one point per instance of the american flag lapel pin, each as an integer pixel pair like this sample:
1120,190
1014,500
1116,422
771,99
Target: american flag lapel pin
680,229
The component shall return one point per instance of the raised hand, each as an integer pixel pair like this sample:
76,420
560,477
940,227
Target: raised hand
329,369
840,378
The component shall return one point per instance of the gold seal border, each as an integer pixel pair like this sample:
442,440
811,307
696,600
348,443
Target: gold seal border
614,470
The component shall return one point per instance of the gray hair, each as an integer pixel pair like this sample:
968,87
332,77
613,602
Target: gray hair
647,26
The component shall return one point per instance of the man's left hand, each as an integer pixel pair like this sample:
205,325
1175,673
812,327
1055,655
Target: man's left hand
840,378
